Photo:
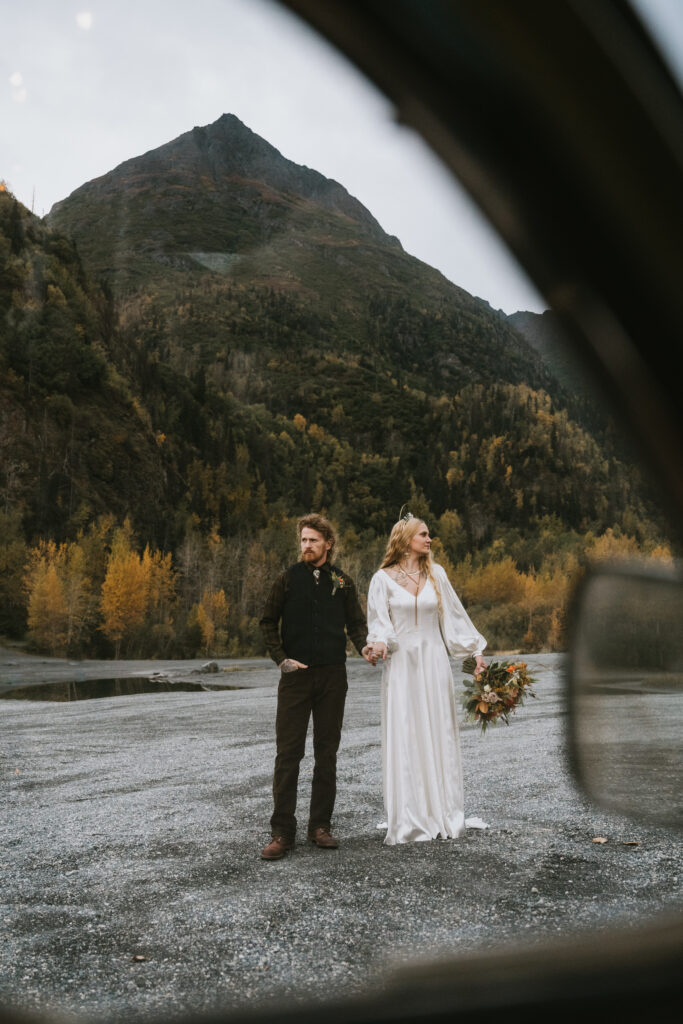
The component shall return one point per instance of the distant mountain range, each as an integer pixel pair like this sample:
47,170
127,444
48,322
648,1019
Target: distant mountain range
545,335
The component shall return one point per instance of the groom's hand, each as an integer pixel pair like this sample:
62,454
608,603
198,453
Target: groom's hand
290,665
367,653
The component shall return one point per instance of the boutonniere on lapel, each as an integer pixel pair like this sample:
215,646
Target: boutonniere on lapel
338,582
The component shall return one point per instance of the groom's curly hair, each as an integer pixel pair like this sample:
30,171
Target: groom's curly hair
317,522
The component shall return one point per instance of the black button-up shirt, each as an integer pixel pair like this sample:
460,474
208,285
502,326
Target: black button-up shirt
307,616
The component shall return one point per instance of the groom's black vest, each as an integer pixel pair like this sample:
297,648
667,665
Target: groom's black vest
313,620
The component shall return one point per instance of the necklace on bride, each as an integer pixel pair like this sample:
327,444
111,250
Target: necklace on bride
405,574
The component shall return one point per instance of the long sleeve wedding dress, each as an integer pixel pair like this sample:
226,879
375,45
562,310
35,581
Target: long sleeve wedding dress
422,772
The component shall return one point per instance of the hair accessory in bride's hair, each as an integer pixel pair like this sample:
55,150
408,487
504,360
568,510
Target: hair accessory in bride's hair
405,518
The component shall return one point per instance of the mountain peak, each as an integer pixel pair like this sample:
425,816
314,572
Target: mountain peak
221,173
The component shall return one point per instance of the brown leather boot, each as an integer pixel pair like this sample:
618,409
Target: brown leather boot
276,848
323,837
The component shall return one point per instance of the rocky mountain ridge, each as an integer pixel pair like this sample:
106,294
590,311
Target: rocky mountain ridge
213,194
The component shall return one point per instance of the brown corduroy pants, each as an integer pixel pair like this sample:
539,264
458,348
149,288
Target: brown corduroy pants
319,691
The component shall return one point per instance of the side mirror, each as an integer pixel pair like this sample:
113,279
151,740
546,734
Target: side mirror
625,685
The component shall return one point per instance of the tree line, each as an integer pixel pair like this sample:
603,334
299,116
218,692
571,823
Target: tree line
106,594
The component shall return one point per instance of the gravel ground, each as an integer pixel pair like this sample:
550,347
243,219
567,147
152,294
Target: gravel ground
133,827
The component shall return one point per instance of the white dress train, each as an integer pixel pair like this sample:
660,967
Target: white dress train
422,772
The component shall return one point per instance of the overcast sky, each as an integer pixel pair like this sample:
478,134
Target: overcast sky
86,85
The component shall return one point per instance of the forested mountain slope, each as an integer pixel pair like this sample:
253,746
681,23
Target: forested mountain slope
210,340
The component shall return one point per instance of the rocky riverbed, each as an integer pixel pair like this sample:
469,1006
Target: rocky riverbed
129,850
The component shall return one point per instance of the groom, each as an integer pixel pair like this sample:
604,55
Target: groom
309,610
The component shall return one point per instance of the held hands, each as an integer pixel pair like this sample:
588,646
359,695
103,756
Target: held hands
375,652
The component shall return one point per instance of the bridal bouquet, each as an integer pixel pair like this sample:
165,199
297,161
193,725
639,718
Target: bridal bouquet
495,693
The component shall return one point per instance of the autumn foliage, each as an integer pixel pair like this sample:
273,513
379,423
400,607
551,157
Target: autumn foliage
60,606
106,594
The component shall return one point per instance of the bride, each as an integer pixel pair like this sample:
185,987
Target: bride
415,620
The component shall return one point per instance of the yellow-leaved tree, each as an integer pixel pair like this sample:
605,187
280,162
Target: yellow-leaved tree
125,593
211,615
160,581
60,602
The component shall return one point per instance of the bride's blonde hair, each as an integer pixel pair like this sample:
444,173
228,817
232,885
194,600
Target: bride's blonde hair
398,545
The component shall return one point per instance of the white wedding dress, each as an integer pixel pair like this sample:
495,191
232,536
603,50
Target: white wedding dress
423,791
